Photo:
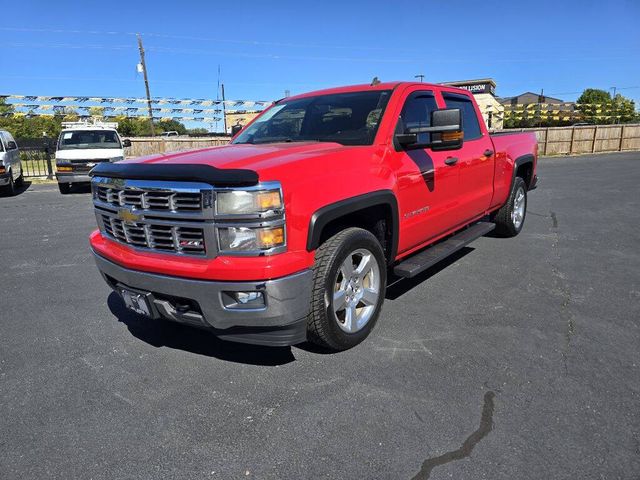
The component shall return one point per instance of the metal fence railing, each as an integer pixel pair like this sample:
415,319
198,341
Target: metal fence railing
37,163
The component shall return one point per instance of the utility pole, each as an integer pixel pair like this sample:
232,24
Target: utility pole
224,110
420,76
614,109
146,83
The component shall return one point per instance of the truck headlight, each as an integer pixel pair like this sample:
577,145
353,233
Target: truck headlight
242,202
248,239
116,159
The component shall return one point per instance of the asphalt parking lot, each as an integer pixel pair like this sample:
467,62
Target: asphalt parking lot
516,359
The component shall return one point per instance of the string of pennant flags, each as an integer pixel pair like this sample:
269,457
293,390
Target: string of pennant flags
125,109
229,104
194,110
177,117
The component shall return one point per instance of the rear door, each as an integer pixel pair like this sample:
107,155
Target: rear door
475,159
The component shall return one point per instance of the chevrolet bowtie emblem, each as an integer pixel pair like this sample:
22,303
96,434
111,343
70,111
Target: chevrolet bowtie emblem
127,215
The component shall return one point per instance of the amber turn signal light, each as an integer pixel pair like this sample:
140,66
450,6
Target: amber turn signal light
64,169
270,237
451,136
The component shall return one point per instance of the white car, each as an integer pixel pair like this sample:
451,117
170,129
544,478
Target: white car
11,174
81,146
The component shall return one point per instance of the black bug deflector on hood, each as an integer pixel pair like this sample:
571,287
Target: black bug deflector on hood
219,177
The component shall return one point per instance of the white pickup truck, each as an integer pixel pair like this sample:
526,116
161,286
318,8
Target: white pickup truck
81,146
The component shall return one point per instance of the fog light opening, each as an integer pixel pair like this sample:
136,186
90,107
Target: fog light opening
240,300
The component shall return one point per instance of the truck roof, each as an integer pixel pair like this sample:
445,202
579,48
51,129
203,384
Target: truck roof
369,87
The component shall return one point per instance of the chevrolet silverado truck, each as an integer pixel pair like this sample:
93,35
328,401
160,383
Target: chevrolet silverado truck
288,233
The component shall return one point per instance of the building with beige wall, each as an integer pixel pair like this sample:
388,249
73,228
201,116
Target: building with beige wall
483,90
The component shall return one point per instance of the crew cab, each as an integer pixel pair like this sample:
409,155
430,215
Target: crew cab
288,233
81,145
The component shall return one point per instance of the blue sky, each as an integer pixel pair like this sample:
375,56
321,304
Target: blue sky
264,48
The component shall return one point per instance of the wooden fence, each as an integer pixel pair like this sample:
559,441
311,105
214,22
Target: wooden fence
551,141
585,139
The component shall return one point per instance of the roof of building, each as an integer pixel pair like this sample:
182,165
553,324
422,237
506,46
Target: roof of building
547,98
471,82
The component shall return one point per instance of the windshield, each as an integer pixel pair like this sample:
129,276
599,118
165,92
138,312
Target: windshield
346,118
81,139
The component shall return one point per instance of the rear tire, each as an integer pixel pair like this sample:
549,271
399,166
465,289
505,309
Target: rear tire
509,219
349,283
65,188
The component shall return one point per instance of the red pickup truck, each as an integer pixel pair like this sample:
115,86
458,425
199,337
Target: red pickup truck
288,233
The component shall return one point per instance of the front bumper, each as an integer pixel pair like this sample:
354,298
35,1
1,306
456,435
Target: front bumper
282,320
73,177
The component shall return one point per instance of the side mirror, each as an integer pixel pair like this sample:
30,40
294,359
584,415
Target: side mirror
445,131
126,143
235,129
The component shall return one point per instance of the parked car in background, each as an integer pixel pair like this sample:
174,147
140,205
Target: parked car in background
11,174
287,234
171,133
81,146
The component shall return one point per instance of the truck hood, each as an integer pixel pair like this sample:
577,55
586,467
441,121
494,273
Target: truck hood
89,153
247,156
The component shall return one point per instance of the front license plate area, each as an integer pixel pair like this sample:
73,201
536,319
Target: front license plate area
137,301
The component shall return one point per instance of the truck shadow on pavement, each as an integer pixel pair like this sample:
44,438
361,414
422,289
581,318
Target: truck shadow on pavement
163,333
19,190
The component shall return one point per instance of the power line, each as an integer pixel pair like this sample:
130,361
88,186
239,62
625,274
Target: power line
206,39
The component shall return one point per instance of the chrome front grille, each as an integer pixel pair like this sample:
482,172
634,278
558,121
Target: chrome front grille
158,216
161,200
167,238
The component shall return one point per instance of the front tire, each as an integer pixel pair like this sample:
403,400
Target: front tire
349,284
509,219
10,189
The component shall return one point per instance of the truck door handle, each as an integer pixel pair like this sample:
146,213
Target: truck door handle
488,153
451,160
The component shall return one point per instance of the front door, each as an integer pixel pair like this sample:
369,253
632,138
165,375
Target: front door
427,183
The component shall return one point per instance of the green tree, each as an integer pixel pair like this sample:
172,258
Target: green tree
197,131
171,125
623,110
594,96
5,108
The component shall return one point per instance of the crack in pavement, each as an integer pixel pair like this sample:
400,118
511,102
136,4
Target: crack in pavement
563,287
486,425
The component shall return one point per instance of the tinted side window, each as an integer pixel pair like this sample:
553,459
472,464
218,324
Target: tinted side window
416,113
470,123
